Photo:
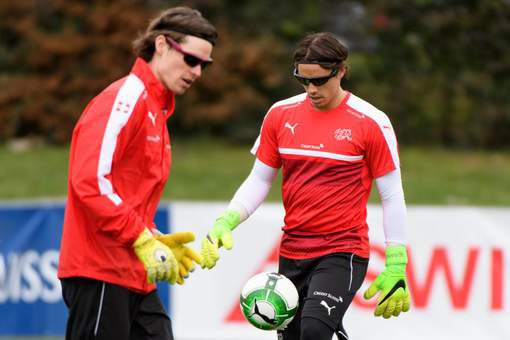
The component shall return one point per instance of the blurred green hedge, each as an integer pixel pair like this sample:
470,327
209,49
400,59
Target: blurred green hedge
440,69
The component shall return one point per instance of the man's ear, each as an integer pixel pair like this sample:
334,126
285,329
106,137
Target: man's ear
160,45
342,71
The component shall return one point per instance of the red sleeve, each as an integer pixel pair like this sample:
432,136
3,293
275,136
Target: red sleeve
266,146
381,148
90,167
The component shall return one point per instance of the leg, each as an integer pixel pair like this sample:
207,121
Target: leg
340,332
314,329
298,271
97,310
151,321
359,270
333,284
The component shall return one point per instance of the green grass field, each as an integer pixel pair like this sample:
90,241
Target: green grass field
208,169
213,169
29,338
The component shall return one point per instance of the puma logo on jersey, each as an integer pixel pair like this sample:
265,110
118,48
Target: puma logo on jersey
325,305
152,117
291,127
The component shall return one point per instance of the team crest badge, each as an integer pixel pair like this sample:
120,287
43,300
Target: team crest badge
341,134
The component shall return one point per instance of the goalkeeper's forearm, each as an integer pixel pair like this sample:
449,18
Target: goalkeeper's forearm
246,200
394,207
254,190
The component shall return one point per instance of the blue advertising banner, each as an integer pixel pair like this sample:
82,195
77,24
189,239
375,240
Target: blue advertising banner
30,292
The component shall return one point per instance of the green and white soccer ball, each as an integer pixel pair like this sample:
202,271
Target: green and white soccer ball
269,301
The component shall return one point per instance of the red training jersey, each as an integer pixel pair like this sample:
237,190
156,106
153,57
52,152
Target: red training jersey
119,163
328,161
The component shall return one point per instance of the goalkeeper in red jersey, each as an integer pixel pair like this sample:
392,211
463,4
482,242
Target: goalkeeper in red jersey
330,145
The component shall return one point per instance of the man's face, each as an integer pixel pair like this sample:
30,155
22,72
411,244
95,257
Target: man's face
323,97
169,64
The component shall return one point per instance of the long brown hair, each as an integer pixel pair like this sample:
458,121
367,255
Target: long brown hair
176,22
322,48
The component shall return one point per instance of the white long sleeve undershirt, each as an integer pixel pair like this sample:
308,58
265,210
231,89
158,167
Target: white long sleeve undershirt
250,195
254,189
394,207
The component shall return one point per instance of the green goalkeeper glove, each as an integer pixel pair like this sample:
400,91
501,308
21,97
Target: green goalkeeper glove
392,282
183,254
219,236
158,259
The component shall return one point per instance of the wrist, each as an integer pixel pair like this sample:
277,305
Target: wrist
144,236
240,208
229,219
396,255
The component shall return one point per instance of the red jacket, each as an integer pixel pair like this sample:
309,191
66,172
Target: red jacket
119,163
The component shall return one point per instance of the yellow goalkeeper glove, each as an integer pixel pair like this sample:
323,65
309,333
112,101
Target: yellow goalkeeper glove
183,254
219,236
157,258
392,283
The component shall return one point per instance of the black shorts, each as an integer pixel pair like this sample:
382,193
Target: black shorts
326,287
99,310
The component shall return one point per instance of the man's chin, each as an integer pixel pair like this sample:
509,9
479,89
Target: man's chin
318,106
180,90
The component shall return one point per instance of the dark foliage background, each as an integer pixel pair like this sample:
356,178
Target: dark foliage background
439,68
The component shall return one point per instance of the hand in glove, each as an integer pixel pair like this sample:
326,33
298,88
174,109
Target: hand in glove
219,236
392,283
157,258
183,254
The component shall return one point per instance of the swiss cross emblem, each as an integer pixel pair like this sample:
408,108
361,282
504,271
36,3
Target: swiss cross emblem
122,107
341,134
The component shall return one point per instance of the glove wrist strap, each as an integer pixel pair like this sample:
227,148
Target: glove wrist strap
144,236
396,255
230,219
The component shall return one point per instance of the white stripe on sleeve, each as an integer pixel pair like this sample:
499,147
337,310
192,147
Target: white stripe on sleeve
382,120
122,109
289,101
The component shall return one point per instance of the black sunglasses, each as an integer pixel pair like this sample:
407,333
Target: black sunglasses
316,81
190,59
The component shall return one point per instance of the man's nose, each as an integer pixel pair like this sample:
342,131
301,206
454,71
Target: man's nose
312,89
197,71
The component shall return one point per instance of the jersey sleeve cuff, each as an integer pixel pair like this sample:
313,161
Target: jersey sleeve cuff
268,162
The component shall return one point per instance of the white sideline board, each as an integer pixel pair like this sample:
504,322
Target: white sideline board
459,258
